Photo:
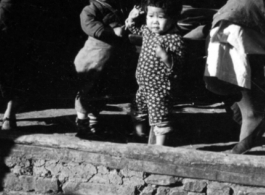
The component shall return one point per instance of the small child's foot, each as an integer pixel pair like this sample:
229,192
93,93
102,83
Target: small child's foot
9,124
136,138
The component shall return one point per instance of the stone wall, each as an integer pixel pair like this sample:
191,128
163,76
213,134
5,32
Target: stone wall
43,164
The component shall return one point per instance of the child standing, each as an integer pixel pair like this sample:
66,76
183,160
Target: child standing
101,21
160,58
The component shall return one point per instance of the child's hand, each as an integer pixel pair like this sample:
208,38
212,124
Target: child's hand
135,13
119,31
164,56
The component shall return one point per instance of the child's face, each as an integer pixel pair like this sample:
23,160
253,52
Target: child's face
157,20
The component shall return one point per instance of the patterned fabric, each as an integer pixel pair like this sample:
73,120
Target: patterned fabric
155,79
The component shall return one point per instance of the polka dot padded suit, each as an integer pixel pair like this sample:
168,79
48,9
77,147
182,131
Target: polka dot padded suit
154,95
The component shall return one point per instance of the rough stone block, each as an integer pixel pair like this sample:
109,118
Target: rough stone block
19,166
216,188
177,191
126,190
40,171
130,173
161,180
162,191
17,170
103,170
54,167
46,185
11,161
250,193
96,189
149,190
101,179
76,171
224,191
133,181
115,178
12,182
39,162
28,183
194,185
64,174
70,187
89,169
247,190
194,193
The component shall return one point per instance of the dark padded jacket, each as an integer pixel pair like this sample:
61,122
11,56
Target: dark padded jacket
98,20
248,13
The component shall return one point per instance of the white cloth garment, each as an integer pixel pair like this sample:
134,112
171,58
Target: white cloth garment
228,49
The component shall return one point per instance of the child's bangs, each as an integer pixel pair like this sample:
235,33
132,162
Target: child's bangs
172,7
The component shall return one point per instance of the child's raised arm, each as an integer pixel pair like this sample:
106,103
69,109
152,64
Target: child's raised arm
134,13
130,21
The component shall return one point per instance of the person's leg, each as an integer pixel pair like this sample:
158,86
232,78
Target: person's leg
139,116
253,124
161,134
140,127
160,107
9,119
10,96
95,120
160,117
237,116
152,136
82,120
161,140
251,118
83,102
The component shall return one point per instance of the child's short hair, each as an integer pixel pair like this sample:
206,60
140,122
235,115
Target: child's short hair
172,7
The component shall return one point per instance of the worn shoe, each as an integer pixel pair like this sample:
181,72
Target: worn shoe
9,124
138,138
250,141
82,126
85,131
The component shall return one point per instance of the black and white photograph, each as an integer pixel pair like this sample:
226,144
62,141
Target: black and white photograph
132,97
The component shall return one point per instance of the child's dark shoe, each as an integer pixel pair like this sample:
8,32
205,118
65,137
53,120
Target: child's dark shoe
9,124
85,131
138,138
82,126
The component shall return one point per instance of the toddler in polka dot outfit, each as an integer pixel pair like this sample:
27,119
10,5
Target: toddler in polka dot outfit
162,54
